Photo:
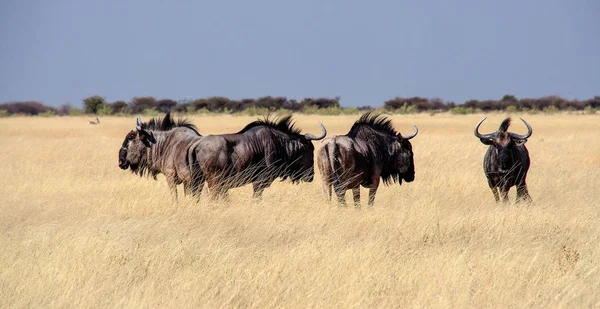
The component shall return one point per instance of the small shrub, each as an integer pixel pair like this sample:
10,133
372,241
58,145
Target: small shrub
3,113
105,110
48,113
462,110
75,112
150,112
511,109
314,110
552,109
406,109
589,110
254,111
202,111
350,111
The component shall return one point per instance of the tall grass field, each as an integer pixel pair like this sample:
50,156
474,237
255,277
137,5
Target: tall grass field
78,232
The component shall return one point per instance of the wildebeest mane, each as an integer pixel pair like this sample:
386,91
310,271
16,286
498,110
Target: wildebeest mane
376,139
281,142
376,122
504,125
283,124
167,123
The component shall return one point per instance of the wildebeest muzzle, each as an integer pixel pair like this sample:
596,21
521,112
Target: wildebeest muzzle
123,164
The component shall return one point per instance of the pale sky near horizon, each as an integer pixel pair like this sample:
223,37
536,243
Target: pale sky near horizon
366,52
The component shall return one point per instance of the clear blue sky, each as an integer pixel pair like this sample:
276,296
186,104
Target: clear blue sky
366,52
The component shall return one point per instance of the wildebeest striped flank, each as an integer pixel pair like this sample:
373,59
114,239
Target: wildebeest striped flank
261,152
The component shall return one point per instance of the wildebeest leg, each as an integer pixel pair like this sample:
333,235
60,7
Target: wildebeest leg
495,191
341,195
356,196
214,188
504,193
258,188
173,189
327,188
187,189
523,193
198,179
373,190
197,188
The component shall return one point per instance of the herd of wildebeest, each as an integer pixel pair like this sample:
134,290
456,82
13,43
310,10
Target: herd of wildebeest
268,149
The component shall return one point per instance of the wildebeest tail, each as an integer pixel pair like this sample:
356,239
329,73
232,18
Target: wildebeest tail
334,161
193,164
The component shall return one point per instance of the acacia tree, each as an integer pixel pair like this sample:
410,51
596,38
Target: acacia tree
93,104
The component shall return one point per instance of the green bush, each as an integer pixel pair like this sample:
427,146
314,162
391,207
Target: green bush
75,112
589,110
550,109
462,110
3,113
406,109
511,109
105,110
48,113
150,112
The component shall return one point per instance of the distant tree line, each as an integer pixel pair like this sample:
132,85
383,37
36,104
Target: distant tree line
149,105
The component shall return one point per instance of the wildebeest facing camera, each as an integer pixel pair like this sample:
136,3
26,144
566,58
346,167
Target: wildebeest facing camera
506,162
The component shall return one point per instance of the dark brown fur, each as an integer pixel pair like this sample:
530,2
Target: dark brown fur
506,161
161,146
260,153
371,151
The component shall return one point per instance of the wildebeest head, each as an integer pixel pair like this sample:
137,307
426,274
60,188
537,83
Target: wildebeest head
375,136
133,150
303,168
504,142
291,151
405,163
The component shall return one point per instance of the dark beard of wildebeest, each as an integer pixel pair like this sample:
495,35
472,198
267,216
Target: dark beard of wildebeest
160,146
371,151
506,160
261,152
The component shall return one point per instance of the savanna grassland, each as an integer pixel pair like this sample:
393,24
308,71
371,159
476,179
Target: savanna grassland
79,232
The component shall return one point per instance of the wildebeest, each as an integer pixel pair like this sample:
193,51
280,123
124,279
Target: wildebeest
370,151
506,161
261,152
161,146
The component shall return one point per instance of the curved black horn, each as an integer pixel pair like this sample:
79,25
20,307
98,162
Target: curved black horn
311,137
413,134
526,136
484,136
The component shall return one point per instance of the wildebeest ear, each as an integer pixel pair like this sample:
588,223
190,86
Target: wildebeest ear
487,141
147,137
520,142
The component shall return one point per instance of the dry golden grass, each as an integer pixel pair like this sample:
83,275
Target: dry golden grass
79,232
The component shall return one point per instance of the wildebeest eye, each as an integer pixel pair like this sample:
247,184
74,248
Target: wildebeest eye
130,136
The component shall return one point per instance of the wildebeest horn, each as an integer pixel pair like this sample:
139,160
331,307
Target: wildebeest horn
311,137
139,123
413,134
484,136
526,136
